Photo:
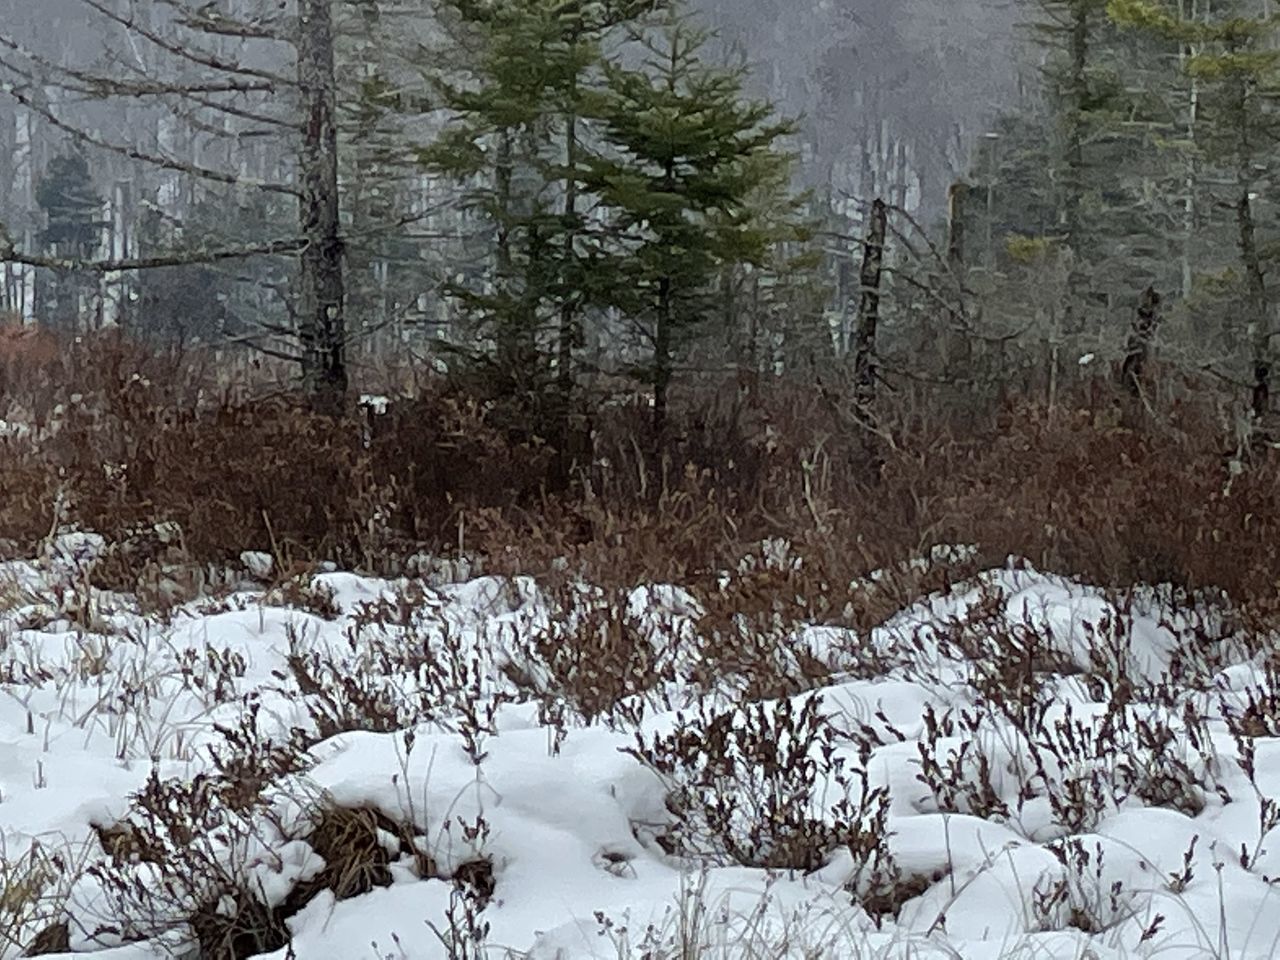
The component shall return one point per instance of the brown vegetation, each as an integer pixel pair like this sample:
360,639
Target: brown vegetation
116,439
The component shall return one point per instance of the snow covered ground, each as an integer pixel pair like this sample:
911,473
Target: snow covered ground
1015,769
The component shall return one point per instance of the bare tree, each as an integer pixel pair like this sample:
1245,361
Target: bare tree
864,365
322,325
1138,345
213,68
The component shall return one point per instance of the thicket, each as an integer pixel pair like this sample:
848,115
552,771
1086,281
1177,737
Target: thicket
126,441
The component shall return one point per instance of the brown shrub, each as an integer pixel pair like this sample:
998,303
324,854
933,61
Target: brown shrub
133,438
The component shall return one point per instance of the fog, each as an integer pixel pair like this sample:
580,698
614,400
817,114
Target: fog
890,94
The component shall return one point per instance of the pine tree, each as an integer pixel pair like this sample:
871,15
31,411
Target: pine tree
683,153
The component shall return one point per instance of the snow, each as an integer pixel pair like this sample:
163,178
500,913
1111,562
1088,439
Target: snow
98,698
260,565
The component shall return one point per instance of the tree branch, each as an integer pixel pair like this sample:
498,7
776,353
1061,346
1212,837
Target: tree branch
185,258
208,20
98,85
243,113
201,57
166,163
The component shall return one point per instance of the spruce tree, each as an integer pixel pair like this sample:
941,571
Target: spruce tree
498,118
522,142
1105,164
1070,30
72,209
683,153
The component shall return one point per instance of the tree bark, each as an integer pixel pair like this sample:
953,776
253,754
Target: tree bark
954,347
1256,309
956,197
864,368
1185,53
1077,94
1138,346
508,342
662,360
321,325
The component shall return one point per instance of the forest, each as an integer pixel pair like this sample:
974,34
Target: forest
639,479
616,237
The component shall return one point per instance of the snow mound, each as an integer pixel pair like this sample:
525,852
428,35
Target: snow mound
1021,767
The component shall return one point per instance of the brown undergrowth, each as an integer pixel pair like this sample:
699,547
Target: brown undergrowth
117,440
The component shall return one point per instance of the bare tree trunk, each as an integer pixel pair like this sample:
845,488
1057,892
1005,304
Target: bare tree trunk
662,345
954,347
569,324
729,318
1078,88
956,197
662,362
1256,309
321,326
1078,93
1138,346
864,367
1256,321
508,339
1186,52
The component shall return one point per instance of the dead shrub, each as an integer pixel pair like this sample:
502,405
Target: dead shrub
33,890
55,938
400,667
593,656
302,592
118,437
353,845
752,785
1080,897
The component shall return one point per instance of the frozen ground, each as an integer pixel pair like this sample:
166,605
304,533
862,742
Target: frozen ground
1016,769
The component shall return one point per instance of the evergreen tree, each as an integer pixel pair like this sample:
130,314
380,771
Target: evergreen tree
1070,30
72,210
1079,199
684,152
71,205
1236,67
498,114
521,142
1106,167
247,302
776,315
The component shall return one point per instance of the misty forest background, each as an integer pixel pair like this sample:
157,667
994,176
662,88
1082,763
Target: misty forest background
764,255
1044,163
